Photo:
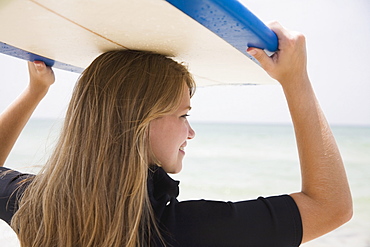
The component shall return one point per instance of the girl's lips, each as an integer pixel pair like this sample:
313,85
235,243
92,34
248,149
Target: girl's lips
182,147
182,150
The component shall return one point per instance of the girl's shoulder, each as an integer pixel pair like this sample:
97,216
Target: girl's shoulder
12,186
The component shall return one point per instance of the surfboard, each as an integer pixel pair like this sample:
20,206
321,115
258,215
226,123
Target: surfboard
209,36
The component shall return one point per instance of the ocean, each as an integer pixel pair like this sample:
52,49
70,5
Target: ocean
233,162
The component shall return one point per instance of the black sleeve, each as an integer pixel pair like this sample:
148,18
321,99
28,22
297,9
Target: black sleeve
12,186
271,222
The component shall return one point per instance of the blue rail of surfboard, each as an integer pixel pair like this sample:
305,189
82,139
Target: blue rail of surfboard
231,21
19,53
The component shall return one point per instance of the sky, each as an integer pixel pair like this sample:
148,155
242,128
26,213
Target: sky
338,38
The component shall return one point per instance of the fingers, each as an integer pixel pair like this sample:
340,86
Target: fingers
289,61
285,36
265,61
268,63
277,28
40,74
39,66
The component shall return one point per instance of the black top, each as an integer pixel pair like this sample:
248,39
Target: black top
271,222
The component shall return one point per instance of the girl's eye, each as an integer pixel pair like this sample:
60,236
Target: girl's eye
185,116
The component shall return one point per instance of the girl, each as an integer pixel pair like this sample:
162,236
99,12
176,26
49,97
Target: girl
106,183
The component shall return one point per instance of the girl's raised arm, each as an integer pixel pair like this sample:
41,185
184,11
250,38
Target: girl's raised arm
15,117
325,200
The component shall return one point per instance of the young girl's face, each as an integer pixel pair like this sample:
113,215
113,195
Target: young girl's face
169,134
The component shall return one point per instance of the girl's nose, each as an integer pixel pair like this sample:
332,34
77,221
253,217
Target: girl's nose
191,133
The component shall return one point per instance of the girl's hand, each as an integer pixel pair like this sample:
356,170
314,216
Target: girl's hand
288,64
41,77
15,117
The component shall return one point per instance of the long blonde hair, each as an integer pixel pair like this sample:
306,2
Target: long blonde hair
93,189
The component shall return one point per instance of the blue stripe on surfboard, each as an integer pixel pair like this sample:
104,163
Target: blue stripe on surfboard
19,53
231,21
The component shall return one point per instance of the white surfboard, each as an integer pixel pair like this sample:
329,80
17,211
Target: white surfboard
210,36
